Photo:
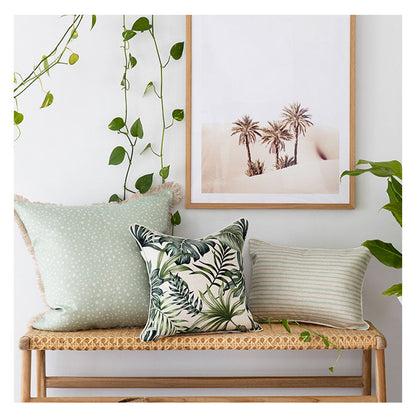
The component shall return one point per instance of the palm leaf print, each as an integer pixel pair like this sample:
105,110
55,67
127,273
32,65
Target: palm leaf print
183,297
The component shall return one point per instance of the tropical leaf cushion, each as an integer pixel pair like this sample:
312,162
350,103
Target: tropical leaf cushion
319,286
87,264
195,285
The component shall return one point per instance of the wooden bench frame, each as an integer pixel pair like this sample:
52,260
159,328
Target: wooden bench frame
362,381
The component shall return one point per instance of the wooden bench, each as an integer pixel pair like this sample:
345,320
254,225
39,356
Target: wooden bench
273,337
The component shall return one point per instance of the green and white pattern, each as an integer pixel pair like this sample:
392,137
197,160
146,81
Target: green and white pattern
321,286
87,262
195,285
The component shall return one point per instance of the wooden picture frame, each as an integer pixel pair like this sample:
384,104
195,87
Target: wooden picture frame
348,203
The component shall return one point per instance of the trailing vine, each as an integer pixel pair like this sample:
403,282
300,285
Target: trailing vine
44,66
305,336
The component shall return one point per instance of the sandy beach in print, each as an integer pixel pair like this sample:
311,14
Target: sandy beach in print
224,163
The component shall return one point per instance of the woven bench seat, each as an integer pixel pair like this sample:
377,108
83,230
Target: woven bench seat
273,337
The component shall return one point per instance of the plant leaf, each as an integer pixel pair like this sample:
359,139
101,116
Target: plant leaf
286,325
128,34
392,167
144,183
384,252
326,342
18,118
176,218
133,60
178,114
149,145
73,58
116,124
176,50
331,369
45,64
148,86
396,209
136,129
93,21
114,198
141,24
394,189
74,34
305,336
117,155
48,100
395,290
164,172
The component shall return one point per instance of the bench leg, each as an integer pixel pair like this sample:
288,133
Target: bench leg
367,372
26,375
41,373
380,376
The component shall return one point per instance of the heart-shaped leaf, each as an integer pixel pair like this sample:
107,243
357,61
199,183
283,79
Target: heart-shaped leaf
117,155
128,34
74,34
176,50
176,218
18,118
48,100
178,114
164,172
285,323
136,129
114,198
141,24
144,183
133,60
305,336
116,124
148,146
148,86
73,58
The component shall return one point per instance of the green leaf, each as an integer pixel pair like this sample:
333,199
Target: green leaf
390,168
73,58
331,369
144,183
164,172
149,145
136,129
286,325
18,118
74,34
148,86
394,190
45,64
128,34
48,100
117,155
396,209
176,50
176,218
93,21
133,60
141,24
14,78
384,252
395,290
326,342
116,124
178,114
114,198
305,336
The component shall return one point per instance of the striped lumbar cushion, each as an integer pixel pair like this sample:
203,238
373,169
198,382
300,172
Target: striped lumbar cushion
321,286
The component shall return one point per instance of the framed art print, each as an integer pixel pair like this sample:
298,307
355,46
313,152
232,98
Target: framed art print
270,111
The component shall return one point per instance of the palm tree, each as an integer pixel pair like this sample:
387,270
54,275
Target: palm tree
275,135
297,119
248,130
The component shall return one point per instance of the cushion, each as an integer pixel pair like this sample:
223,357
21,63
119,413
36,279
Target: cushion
319,286
195,285
87,264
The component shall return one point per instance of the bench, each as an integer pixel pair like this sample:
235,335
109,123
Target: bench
273,337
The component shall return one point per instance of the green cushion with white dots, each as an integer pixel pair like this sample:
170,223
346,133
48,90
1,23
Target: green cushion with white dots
87,263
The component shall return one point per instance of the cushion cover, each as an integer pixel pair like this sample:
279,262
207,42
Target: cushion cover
195,285
87,263
321,286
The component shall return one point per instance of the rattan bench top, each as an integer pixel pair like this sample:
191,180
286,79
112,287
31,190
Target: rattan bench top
273,337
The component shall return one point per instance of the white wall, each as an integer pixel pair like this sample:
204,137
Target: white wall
63,153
